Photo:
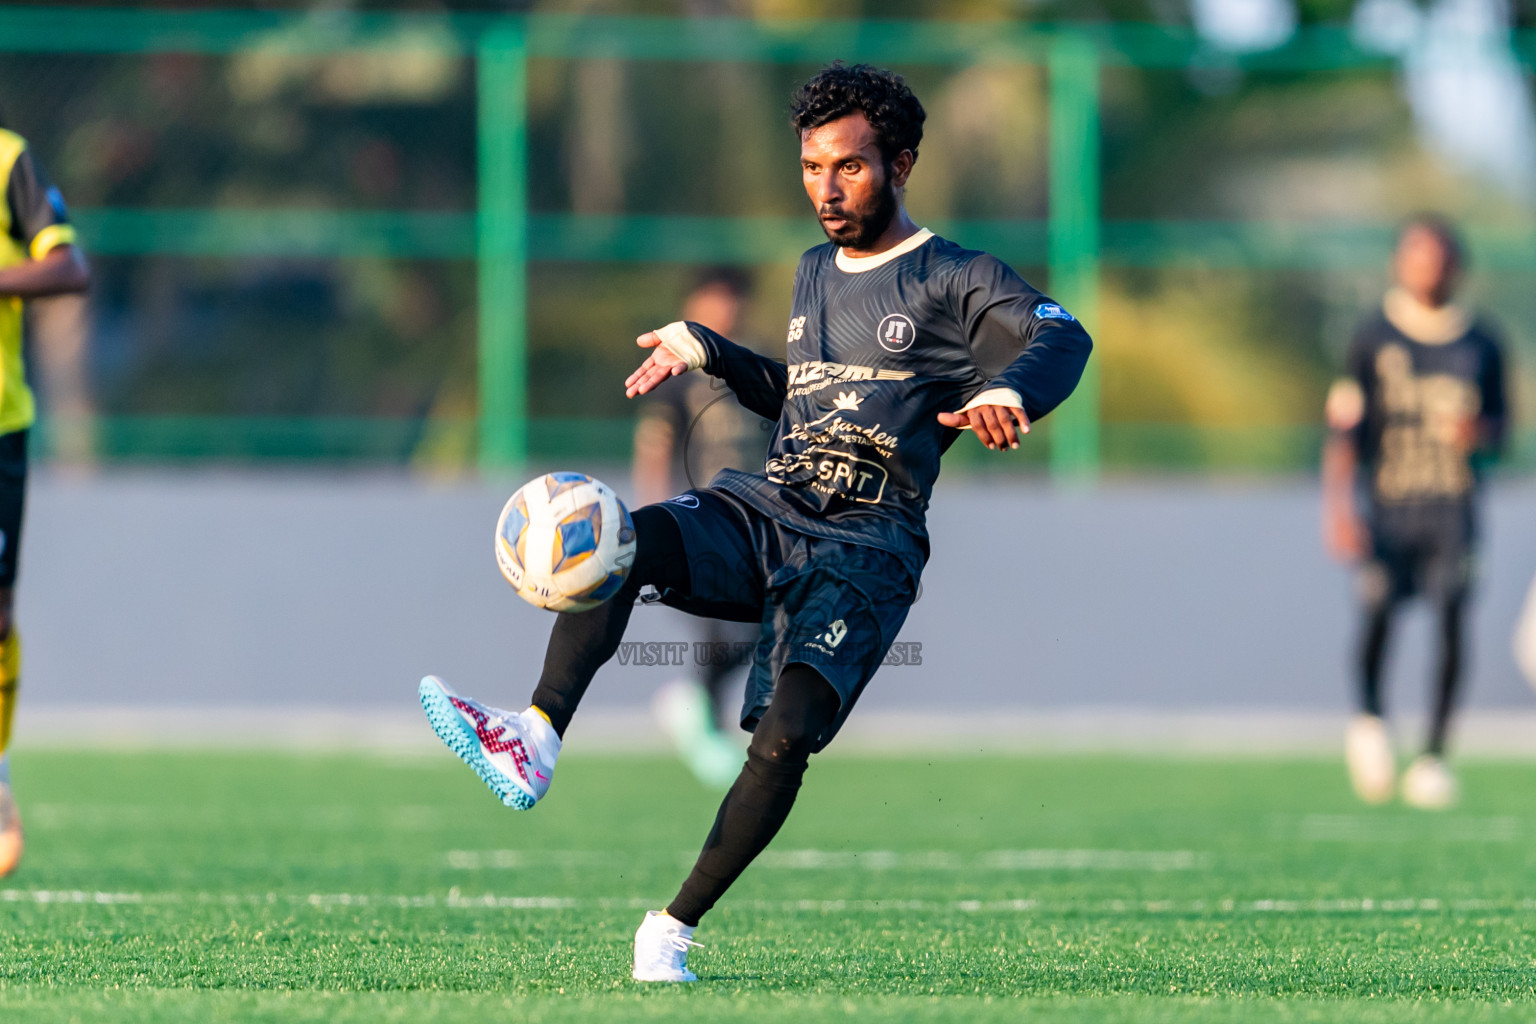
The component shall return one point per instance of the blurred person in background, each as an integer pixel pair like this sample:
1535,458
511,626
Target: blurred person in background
697,423
1420,408
38,257
1525,637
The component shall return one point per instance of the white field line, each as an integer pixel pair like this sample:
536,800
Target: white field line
1356,828
866,860
71,896
454,899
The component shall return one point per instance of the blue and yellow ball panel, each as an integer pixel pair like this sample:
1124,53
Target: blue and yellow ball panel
556,484
514,534
576,537
606,587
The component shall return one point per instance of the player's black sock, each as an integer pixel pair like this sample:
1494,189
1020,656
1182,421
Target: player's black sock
582,642
804,705
1373,648
1449,679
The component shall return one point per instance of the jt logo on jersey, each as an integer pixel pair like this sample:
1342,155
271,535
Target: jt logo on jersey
896,333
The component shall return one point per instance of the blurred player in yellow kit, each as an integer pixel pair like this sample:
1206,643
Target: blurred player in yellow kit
38,257
1420,407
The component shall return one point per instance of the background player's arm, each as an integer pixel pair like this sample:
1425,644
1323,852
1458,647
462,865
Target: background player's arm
1048,350
40,225
655,442
61,271
1344,533
1493,419
760,383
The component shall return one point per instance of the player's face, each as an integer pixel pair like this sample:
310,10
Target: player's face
846,176
1425,267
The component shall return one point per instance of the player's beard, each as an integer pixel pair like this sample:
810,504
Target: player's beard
862,227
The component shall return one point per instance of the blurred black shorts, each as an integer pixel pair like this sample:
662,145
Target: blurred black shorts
13,493
1426,551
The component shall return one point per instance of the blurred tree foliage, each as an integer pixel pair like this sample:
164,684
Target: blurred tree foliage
376,337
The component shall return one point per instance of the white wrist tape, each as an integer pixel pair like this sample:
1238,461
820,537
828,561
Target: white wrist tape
995,396
677,339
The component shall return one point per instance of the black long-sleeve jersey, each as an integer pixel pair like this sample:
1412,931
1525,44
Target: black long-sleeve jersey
1415,379
877,348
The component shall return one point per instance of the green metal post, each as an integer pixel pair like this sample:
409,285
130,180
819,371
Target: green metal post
1074,238
502,247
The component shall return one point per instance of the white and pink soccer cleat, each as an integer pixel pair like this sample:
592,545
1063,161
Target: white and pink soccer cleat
514,752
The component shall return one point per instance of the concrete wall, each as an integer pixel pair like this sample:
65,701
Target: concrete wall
216,589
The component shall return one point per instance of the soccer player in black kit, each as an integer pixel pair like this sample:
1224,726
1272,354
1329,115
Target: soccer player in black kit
1420,407
897,341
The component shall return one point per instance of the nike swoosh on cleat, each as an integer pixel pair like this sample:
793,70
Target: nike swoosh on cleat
541,776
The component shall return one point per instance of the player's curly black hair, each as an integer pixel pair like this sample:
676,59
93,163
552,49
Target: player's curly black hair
884,99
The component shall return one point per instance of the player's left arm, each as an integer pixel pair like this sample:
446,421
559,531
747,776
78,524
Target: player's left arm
40,225
1049,350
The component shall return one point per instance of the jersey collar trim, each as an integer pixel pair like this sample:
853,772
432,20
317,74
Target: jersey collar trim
858,264
1424,324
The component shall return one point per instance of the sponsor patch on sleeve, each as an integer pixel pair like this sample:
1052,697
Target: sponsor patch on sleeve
1051,311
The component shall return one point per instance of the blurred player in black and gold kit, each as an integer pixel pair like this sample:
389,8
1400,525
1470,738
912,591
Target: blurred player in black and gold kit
1420,408
38,257
701,425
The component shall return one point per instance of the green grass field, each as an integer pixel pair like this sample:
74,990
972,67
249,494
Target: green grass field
259,887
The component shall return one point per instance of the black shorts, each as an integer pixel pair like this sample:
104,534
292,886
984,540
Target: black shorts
13,494
834,606
1428,551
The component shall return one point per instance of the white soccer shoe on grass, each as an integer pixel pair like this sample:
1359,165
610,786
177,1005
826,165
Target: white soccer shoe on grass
1429,785
514,752
1372,765
661,948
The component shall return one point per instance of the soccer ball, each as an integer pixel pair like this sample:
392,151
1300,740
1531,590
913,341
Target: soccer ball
565,542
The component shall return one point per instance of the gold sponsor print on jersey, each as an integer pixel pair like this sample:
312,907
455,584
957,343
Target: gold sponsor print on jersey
816,369
820,431
1423,440
834,473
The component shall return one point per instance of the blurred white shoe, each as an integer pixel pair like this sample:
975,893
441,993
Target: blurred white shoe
661,949
10,832
1428,784
683,709
1372,766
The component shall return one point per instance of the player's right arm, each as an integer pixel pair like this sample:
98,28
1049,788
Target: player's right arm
40,227
1344,532
760,383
